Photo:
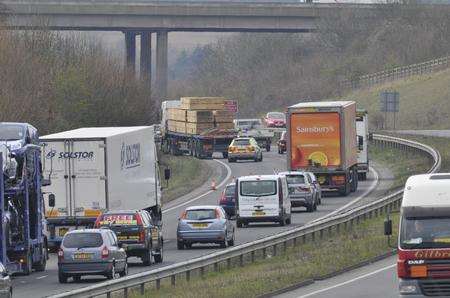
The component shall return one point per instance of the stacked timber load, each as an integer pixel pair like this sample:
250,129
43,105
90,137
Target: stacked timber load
223,119
197,115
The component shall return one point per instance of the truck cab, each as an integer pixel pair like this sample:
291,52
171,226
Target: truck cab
423,264
17,135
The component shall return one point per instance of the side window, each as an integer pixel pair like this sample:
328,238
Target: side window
144,218
149,217
113,238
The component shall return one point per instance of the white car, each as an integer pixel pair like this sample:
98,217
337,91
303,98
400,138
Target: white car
262,199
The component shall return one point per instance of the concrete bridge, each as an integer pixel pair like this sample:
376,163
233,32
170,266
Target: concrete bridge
160,17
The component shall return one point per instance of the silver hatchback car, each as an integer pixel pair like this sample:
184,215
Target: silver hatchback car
90,252
204,224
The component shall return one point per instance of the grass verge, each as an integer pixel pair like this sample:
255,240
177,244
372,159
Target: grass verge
304,262
401,164
188,173
440,144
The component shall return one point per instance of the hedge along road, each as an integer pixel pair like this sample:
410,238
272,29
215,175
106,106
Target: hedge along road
46,283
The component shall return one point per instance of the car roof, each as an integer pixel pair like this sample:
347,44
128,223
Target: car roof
322,104
212,207
87,231
427,190
258,177
293,173
121,211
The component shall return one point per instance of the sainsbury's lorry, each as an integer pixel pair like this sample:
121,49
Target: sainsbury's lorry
94,170
321,138
362,131
423,262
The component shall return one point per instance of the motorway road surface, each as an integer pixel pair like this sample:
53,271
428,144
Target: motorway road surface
46,283
373,281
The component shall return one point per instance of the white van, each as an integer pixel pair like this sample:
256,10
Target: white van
262,199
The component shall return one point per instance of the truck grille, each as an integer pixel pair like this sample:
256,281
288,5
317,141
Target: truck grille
435,287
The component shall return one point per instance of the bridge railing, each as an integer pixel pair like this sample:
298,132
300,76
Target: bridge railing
273,245
396,73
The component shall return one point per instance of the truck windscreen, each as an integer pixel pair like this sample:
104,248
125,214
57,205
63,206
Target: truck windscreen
11,132
430,232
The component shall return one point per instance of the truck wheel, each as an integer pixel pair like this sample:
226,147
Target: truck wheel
147,258
268,147
62,278
29,264
289,220
180,245
159,257
282,221
43,262
239,223
112,273
354,184
345,191
310,208
362,176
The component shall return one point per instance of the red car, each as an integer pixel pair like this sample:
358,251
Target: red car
282,143
275,119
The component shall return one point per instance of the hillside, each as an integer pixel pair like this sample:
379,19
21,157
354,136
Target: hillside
424,102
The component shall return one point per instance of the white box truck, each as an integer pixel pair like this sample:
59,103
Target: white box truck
362,132
98,169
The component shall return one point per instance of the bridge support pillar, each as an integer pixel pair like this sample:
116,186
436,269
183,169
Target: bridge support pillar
161,64
146,57
130,48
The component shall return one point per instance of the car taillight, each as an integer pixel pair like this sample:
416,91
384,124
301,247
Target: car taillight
60,254
183,215
138,219
402,269
305,188
338,179
142,236
217,213
231,149
97,221
105,252
251,148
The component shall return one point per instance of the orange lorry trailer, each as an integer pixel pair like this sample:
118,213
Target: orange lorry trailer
321,138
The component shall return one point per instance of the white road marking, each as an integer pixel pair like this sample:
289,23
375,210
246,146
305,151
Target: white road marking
371,187
41,277
348,281
206,193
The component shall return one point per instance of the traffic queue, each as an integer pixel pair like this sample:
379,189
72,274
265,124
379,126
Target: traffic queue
319,139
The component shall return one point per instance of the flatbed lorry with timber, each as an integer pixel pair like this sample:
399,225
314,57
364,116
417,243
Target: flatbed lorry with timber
195,132
321,138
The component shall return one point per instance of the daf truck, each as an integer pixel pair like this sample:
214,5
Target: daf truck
362,132
423,264
321,138
96,170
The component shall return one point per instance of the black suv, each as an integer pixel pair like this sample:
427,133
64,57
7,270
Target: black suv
136,232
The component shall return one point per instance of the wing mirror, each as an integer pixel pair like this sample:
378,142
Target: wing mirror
51,200
387,227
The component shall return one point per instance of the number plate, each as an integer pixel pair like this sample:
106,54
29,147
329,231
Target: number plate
199,225
259,213
82,256
63,231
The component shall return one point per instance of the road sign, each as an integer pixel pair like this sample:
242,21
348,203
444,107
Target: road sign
231,105
389,101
